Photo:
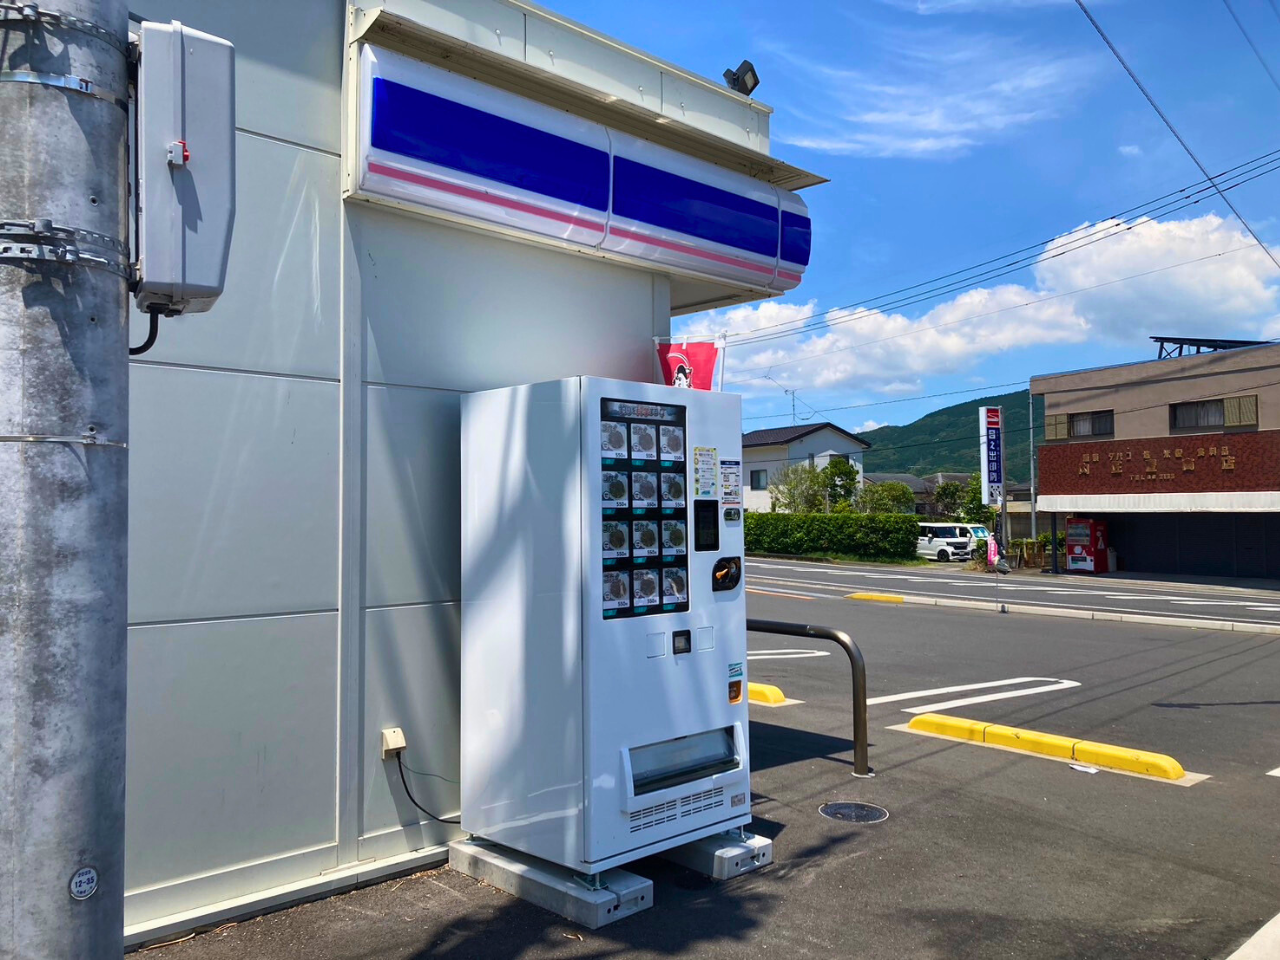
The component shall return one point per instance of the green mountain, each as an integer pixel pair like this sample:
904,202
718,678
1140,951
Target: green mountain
946,440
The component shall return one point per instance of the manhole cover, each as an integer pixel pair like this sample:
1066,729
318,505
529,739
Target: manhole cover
852,812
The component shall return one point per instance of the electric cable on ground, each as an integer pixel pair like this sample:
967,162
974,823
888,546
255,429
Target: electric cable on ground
456,820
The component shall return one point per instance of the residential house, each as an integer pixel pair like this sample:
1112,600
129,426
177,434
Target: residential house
767,452
922,487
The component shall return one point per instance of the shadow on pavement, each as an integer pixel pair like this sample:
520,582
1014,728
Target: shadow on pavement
777,746
1220,703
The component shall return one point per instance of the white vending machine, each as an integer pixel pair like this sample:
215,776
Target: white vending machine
604,648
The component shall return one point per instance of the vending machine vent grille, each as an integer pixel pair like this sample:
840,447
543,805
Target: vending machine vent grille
660,813
655,815
698,802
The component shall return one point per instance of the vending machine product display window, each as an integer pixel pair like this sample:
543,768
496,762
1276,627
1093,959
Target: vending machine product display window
652,466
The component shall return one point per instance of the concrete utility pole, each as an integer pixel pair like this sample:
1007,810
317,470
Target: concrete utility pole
63,477
1031,434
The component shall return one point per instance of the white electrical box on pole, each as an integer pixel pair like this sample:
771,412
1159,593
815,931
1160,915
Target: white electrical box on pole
186,168
65,275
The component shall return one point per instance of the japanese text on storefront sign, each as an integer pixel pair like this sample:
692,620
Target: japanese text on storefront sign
1158,464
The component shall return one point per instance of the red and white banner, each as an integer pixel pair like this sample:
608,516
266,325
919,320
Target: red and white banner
691,364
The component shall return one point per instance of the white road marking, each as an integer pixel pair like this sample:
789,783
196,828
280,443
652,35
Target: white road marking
1263,945
1274,773
787,654
938,691
1210,603
790,595
1006,695
1050,683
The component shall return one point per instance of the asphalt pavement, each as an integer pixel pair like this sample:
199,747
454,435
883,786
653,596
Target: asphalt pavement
951,581
984,854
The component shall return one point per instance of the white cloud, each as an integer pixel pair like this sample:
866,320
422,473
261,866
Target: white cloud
934,93
1130,150
867,427
893,354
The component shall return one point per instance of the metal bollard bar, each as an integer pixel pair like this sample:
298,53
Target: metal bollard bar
856,664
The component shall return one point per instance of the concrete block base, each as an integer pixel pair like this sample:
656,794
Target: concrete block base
551,886
723,855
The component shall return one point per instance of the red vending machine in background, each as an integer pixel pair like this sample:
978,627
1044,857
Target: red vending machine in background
1087,546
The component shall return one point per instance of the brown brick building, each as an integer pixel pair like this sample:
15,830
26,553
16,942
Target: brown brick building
1181,457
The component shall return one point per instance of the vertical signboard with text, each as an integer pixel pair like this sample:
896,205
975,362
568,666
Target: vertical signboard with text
991,455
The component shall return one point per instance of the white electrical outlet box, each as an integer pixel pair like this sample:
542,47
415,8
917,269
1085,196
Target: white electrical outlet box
392,742
185,161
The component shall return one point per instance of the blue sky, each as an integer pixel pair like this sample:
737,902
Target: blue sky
958,130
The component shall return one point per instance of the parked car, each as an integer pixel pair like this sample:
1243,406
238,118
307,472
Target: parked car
943,542
976,532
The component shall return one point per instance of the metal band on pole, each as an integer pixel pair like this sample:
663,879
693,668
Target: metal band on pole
64,81
30,13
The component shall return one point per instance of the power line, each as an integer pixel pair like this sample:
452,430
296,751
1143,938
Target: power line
1241,173
881,403
1172,129
979,316
1249,40
1014,421
1275,8
1108,229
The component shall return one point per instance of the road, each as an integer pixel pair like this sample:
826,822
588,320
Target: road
992,854
1042,590
985,854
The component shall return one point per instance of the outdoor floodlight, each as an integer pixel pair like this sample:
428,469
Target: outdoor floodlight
744,79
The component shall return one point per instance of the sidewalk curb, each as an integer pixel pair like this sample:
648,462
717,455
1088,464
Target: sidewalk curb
1069,613
1028,573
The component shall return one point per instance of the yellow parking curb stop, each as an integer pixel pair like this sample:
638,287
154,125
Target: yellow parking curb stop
875,597
945,726
765,693
1108,756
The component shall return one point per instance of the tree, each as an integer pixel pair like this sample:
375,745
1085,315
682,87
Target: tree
949,498
798,488
973,510
891,497
840,483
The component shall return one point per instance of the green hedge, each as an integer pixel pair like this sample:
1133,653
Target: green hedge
871,536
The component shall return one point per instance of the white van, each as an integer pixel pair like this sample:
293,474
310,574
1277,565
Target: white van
943,542
975,532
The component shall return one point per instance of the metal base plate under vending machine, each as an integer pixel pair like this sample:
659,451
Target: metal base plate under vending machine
604,685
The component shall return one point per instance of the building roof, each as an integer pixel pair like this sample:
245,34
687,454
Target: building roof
1042,383
783,435
917,484
934,479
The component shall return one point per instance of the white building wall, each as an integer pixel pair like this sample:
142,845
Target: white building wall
233,508
294,571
